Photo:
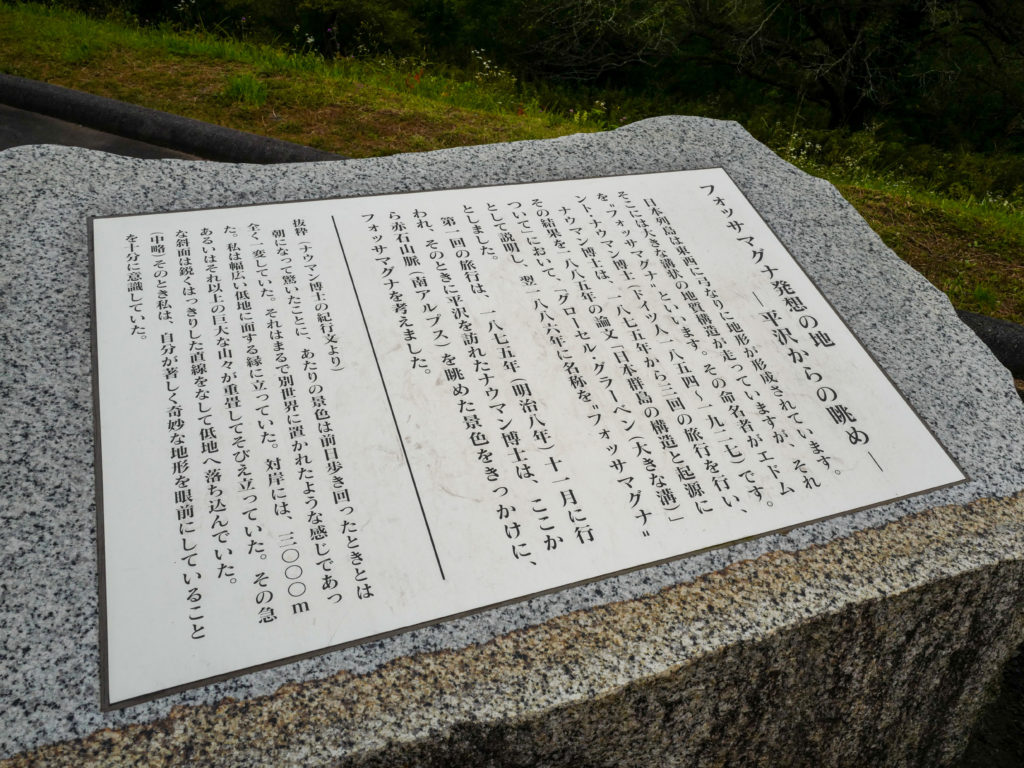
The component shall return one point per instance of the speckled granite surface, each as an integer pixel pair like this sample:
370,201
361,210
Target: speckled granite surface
866,638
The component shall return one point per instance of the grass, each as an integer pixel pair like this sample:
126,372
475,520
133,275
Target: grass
972,254
354,107
245,90
970,249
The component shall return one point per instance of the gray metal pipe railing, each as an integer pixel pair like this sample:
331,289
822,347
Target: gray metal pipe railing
212,142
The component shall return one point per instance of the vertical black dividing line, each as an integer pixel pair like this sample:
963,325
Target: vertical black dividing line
757,298
876,462
388,396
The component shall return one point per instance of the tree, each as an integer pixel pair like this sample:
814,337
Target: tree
851,56
569,39
958,63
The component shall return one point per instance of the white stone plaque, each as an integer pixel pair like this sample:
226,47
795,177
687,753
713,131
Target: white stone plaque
325,421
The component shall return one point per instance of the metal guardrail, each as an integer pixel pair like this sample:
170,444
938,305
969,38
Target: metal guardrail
194,137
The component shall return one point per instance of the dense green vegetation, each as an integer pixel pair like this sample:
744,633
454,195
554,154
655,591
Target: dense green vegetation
372,77
944,72
928,91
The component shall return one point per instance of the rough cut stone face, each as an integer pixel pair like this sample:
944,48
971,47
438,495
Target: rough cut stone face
870,638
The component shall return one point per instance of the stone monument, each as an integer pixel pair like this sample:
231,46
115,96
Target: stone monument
863,623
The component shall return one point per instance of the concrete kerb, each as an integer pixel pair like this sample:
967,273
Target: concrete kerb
183,134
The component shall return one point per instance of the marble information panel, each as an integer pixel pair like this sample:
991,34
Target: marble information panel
321,422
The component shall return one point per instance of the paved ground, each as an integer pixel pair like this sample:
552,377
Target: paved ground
19,127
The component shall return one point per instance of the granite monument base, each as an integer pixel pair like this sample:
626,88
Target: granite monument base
870,638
